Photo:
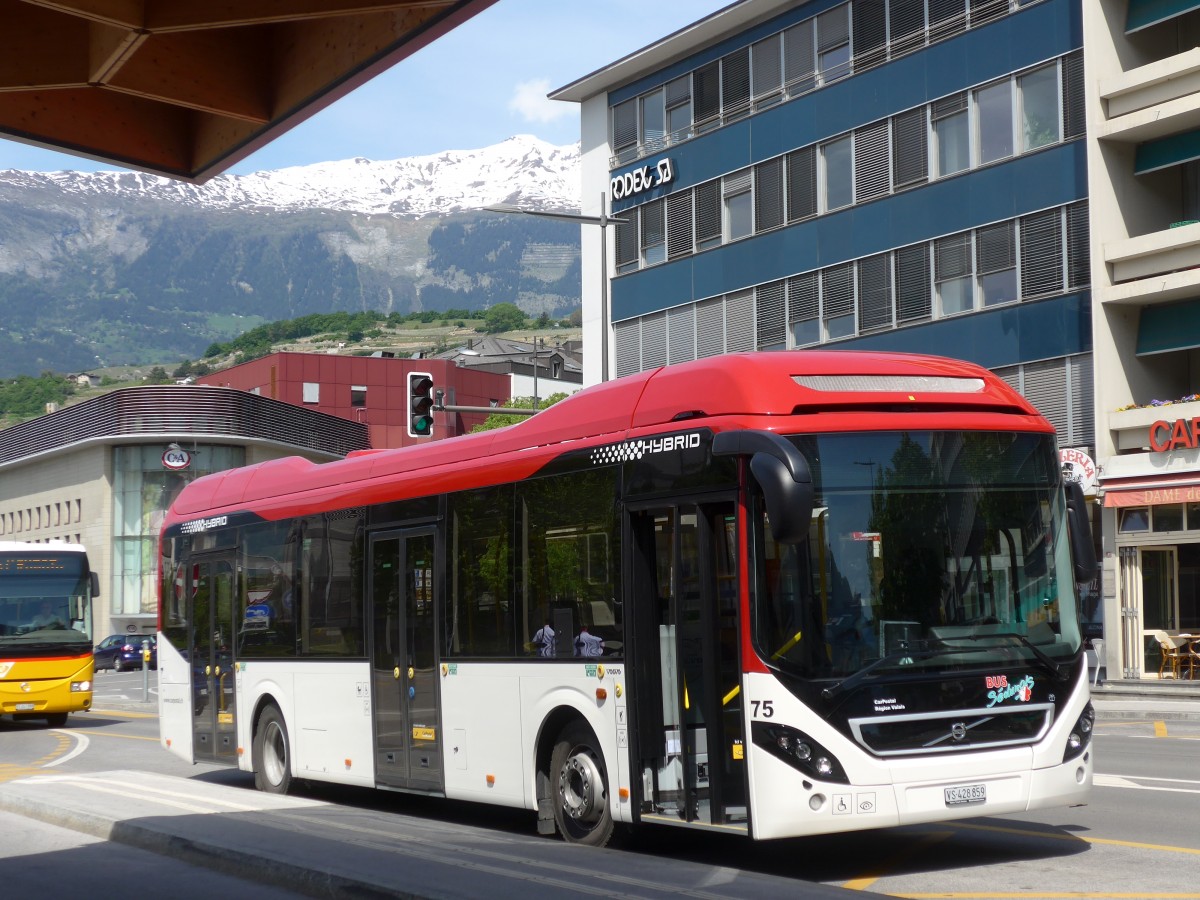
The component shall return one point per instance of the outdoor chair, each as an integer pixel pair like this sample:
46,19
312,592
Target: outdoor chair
1172,654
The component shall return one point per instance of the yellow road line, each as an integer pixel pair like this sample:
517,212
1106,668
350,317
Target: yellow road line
1111,842
1051,895
128,737
1160,729
928,840
126,713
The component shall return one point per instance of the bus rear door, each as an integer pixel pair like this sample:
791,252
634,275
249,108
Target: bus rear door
404,661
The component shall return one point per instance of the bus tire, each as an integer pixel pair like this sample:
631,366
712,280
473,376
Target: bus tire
579,787
272,753
56,720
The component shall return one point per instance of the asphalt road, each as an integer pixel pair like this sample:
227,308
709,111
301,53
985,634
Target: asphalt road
1132,840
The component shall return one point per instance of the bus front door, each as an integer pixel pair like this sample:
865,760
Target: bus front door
686,671
404,674
214,698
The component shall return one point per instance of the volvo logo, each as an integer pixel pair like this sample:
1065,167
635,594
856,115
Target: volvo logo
958,731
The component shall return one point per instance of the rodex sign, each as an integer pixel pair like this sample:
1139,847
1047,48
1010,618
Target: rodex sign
1166,435
643,179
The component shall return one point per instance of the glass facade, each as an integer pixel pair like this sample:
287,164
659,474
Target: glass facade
142,492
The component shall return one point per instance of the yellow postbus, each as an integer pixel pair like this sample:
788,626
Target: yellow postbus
46,593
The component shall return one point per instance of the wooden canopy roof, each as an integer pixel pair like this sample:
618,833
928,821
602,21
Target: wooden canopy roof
187,88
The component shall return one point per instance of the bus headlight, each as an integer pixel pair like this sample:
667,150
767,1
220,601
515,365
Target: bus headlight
1081,733
80,686
799,751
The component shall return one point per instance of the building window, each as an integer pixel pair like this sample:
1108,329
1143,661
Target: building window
708,215
739,205
837,301
624,129
1039,114
654,122
994,114
679,108
951,134
1168,517
654,236
952,277
766,71
1134,518
358,395
311,392
837,163
833,44
996,264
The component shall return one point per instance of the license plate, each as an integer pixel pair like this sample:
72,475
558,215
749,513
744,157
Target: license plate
966,793
24,706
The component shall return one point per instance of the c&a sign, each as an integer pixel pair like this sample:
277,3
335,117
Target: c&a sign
1166,435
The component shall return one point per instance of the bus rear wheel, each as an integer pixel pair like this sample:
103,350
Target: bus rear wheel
272,753
580,788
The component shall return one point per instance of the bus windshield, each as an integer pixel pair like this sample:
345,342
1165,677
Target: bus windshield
927,551
44,600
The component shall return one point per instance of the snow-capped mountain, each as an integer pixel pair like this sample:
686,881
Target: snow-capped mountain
131,268
522,170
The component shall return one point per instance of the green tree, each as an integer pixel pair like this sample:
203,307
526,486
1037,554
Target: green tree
503,317
499,420
158,375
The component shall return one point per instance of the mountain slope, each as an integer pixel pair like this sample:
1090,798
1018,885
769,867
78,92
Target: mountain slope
125,268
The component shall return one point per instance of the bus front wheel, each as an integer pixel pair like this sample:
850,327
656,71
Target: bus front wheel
580,788
56,720
272,753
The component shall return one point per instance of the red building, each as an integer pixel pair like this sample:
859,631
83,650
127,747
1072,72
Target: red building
368,389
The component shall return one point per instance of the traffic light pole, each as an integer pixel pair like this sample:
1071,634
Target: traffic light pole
439,406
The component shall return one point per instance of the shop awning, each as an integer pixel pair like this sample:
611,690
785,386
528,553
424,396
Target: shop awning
1144,13
1152,490
1164,329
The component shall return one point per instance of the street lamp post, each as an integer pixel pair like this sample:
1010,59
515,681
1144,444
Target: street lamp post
602,220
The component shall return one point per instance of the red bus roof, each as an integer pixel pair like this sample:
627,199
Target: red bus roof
832,390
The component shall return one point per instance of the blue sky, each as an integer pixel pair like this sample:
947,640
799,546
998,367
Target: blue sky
485,81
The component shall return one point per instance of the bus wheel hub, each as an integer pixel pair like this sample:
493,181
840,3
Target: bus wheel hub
579,784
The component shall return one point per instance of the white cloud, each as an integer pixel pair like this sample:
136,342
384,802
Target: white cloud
529,101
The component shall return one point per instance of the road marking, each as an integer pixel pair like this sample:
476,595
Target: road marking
1132,781
81,744
126,713
128,737
926,841
1046,895
1111,842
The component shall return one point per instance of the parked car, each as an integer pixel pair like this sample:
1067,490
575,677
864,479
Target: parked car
121,652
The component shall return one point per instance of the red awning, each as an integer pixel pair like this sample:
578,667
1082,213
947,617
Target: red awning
1152,490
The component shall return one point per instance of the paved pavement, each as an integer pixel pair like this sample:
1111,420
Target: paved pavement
327,850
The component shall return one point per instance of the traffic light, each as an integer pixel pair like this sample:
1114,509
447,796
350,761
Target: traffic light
420,404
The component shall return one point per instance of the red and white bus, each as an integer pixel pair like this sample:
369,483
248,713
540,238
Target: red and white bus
773,594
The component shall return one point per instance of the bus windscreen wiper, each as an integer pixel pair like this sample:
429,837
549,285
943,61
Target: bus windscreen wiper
902,656
1048,662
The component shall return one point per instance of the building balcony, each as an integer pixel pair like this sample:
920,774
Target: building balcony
1160,267
1164,82
1131,427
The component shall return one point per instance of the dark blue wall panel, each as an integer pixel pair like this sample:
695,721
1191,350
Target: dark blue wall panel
1021,332
1035,181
